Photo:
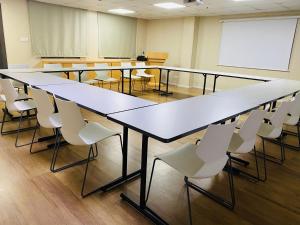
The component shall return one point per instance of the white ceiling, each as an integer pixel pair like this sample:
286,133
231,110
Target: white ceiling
145,8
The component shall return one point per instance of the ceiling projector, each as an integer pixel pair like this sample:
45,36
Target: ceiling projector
200,2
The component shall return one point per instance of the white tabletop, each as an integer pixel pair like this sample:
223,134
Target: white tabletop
98,100
53,70
263,92
179,69
170,121
38,78
218,73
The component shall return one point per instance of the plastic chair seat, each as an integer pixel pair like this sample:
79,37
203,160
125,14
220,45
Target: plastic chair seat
268,131
108,79
184,159
94,132
90,81
52,122
291,120
238,145
145,75
21,96
23,105
132,77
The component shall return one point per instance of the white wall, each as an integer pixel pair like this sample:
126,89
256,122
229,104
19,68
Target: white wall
16,26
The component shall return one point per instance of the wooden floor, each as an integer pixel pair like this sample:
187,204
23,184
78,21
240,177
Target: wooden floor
30,194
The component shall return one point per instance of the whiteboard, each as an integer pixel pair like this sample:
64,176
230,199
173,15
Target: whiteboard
259,43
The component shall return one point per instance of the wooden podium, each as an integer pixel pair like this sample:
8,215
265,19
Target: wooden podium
155,58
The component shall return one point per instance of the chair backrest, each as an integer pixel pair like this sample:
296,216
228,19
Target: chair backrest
18,66
279,115
126,64
44,105
215,142
71,119
140,71
102,74
295,106
251,126
8,90
53,66
84,75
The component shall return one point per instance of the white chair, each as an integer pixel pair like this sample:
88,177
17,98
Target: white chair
21,96
13,104
18,84
54,66
103,77
76,131
202,161
145,76
292,119
46,116
126,73
83,75
272,130
243,142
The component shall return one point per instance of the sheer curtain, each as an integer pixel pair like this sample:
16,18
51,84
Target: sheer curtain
117,35
57,31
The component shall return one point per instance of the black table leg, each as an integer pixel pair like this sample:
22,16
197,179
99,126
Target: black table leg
79,76
166,93
141,206
215,83
159,83
130,72
67,74
25,89
204,84
125,151
122,74
125,176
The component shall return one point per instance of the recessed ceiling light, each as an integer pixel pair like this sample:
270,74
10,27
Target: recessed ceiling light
121,11
169,5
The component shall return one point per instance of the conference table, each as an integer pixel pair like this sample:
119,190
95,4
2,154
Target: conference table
94,99
165,122
205,73
168,69
80,71
171,121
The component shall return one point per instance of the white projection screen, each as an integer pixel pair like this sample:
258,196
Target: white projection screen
259,43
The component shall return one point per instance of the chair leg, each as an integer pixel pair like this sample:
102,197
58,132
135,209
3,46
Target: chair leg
228,204
54,158
118,86
3,120
264,159
18,131
189,200
231,184
96,153
282,150
298,134
151,176
55,152
120,137
237,171
272,158
85,173
33,137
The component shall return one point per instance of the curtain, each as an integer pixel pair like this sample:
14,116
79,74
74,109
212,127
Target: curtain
117,35
57,31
